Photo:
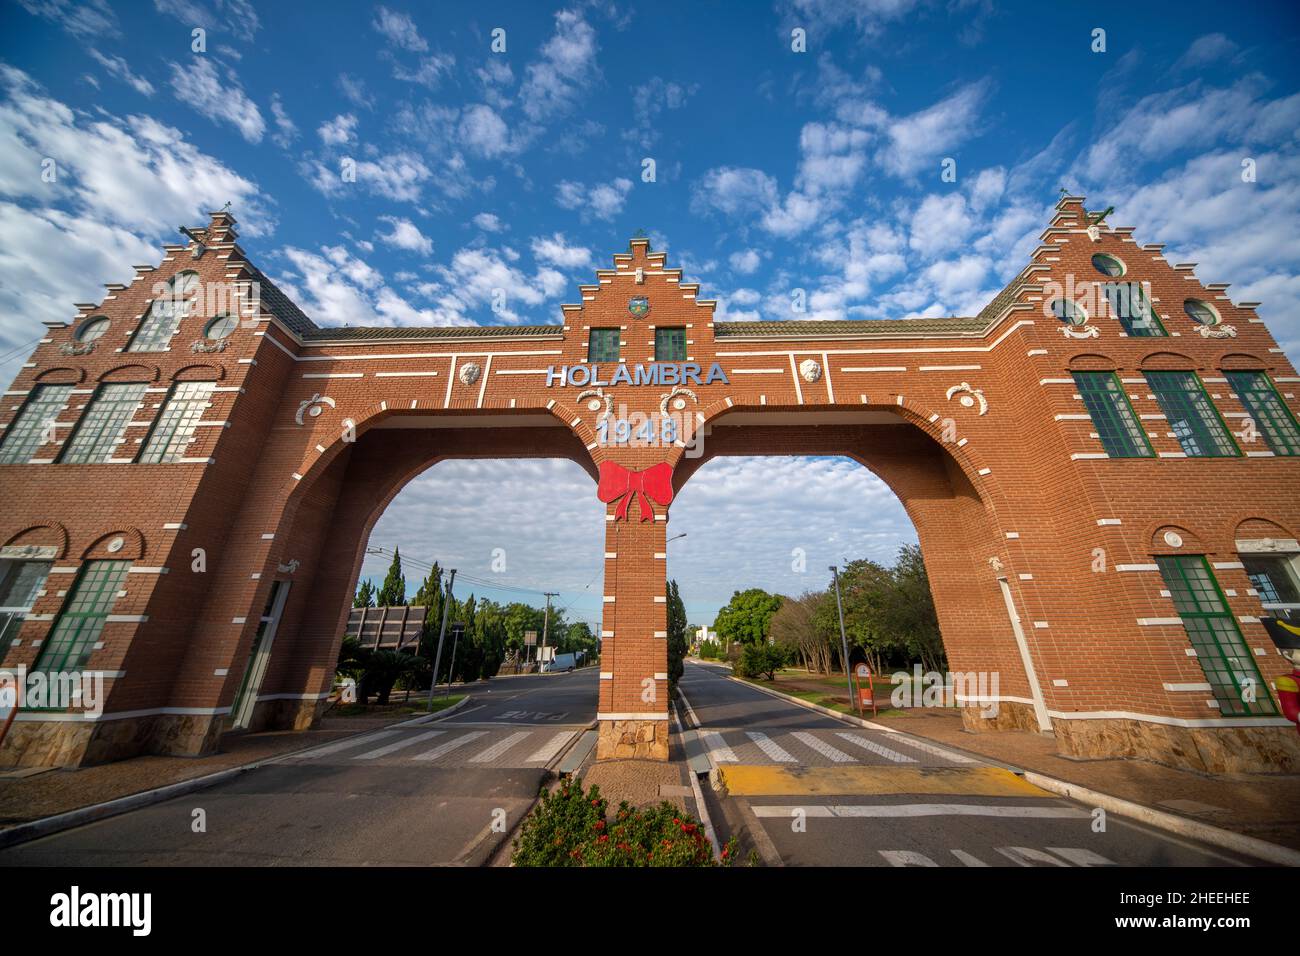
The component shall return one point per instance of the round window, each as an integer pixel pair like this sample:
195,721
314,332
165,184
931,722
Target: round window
220,327
92,329
1068,311
1202,312
1108,265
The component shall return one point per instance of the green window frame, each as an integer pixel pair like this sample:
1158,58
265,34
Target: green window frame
103,424
1193,418
603,345
1272,418
1117,425
26,432
176,424
1129,304
72,638
156,330
670,344
1225,659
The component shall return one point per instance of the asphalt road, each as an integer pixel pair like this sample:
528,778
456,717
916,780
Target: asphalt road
442,792
816,791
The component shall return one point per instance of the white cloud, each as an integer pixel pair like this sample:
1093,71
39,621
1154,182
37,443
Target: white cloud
554,83
918,141
119,68
88,19
734,191
397,176
286,131
399,30
197,84
339,131
554,250
603,201
940,224
405,235
233,16
354,90
745,262
428,72
1206,49
123,186
483,132
650,101
488,222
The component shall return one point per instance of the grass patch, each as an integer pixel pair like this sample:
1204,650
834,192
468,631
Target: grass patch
411,708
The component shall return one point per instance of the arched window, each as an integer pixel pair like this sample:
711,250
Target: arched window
1108,265
163,320
1068,311
1201,312
93,328
220,327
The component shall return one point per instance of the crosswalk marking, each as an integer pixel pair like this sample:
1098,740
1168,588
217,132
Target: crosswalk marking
822,747
867,744
500,747
718,748
449,746
549,749
346,744
1025,856
930,749
770,747
391,748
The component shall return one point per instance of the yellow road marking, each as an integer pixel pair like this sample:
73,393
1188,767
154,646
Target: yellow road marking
769,780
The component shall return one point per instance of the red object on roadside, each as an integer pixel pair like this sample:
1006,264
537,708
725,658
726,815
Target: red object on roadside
1288,695
8,702
866,695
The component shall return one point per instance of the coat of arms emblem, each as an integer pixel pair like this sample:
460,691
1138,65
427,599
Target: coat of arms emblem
639,306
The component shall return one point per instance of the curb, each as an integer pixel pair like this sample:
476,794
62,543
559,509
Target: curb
46,826
1169,822
698,794
436,715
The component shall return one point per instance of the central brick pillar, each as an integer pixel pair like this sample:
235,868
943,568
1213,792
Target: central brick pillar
633,711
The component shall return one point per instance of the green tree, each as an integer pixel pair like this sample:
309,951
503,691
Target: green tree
676,635
580,639
365,594
393,592
747,616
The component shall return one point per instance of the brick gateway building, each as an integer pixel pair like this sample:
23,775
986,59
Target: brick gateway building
1102,468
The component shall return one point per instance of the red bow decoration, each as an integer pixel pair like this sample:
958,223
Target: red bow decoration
616,482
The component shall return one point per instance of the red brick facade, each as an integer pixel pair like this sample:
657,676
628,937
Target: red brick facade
1040,548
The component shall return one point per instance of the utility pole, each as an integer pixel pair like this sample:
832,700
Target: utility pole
442,632
844,641
546,621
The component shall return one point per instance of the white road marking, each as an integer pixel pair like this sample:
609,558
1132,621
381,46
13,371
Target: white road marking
345,744
718,748
498,748
390,748
450,745
868,744
906,858
1081,857
1028,856
931,749
822,747
968,859
551,748
770,747
849,811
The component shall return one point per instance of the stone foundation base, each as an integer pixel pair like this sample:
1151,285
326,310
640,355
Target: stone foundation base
1010,715
621,739
1204,749
81,743
286,715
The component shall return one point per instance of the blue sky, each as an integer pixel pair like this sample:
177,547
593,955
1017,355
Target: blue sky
523,170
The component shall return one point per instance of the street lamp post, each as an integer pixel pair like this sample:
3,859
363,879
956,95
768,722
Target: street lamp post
442,633
844,641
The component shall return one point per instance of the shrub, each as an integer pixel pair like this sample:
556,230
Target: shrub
572,828
761,660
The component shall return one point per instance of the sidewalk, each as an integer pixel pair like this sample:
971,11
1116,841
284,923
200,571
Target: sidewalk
1266,807
27,796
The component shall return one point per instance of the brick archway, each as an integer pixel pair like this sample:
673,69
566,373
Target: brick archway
273,464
